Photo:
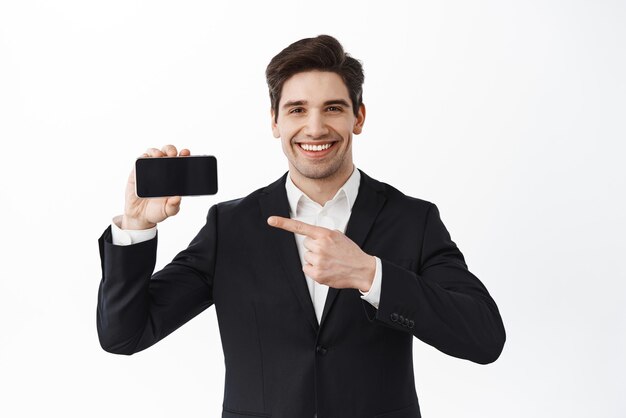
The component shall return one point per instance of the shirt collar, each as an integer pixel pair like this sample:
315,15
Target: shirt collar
350,189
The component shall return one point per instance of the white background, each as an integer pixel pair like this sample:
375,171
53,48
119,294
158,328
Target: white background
509,115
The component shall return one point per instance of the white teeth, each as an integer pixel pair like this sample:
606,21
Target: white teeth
308,147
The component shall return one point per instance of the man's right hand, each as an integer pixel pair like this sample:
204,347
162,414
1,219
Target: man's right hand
145,213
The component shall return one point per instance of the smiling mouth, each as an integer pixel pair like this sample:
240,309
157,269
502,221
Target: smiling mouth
316,147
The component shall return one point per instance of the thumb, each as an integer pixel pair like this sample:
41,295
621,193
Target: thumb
172,205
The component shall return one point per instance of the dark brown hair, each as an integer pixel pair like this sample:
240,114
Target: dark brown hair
323,53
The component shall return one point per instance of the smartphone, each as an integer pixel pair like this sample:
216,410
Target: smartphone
195,175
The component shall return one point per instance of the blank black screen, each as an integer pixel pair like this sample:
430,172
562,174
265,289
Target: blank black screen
176,176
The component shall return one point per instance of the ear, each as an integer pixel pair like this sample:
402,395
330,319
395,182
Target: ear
360,120
275,130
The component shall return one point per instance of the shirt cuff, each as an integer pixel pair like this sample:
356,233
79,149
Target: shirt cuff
373,295
121,236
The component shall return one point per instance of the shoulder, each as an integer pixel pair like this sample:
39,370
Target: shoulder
396,199
250,202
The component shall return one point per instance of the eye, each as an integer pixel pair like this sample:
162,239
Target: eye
334,109
296,110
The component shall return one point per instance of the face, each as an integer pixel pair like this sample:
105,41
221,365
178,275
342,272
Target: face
315,124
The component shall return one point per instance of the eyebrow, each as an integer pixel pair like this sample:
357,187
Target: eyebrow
291,103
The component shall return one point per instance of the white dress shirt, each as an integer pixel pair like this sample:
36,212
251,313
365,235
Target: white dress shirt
333,215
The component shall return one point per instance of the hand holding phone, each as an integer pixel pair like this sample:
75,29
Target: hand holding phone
145,213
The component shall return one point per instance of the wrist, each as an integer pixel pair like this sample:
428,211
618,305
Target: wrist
366,278
133,223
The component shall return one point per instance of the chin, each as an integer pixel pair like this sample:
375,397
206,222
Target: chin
317,173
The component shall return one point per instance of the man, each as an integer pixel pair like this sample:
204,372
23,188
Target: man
319,280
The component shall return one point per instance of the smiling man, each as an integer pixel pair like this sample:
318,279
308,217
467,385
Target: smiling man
316,122
320,280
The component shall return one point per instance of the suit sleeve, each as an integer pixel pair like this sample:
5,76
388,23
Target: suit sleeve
442,304
137,308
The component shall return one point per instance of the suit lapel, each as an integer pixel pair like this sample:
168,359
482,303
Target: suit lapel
368,204
273,201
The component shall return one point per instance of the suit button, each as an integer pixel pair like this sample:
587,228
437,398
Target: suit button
401,320
411,324
321,350
406,322
394,317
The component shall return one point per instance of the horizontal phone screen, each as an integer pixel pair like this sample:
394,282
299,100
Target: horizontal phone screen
176,176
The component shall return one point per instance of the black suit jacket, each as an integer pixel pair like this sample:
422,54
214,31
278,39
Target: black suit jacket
279,361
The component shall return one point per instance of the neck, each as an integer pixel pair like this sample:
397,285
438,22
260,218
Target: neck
321,190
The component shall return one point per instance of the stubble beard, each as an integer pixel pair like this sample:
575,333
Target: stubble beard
323,171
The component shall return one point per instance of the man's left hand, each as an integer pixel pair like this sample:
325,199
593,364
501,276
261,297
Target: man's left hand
332,258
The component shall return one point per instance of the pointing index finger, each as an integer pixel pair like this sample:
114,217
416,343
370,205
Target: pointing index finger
297,227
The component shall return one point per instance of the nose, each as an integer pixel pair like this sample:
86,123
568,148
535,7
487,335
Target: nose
315,126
